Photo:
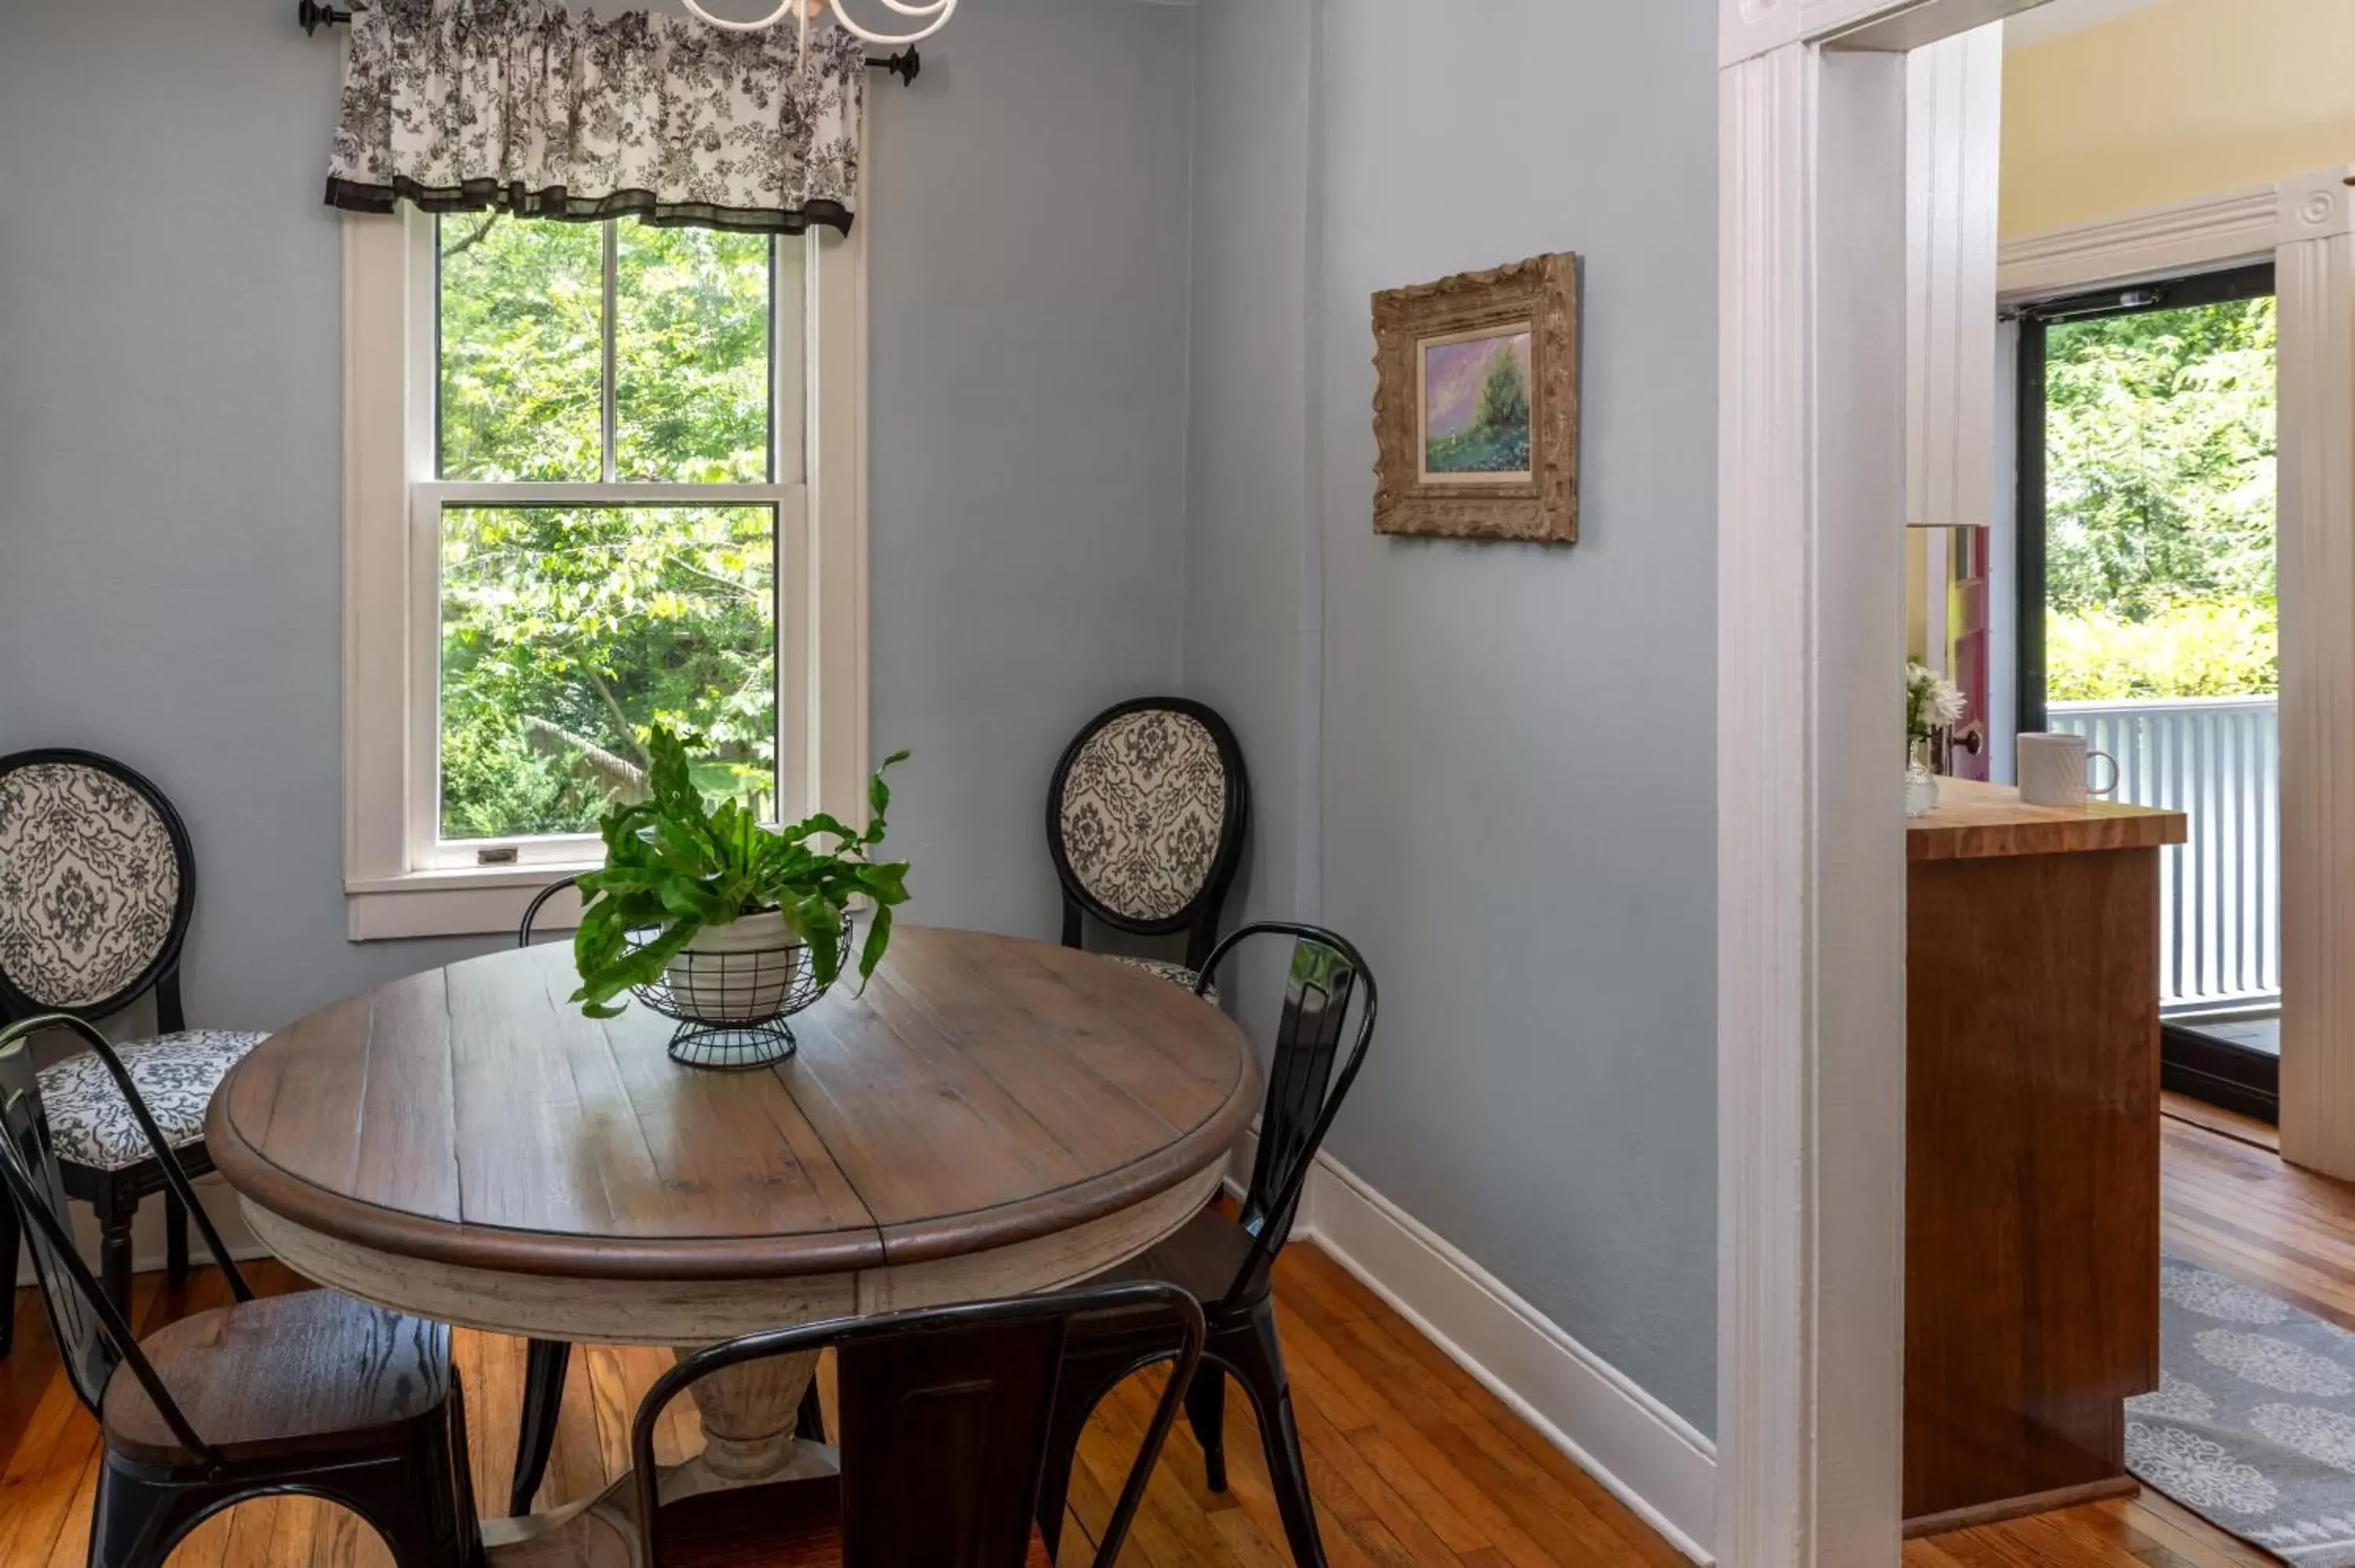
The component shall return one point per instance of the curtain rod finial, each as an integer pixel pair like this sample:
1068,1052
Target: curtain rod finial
314,15
904,65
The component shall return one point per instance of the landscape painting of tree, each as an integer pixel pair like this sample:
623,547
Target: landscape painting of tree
1475,406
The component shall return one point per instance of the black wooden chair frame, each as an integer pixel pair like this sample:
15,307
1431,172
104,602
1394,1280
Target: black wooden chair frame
143,1509
1169,1311
1305,1093
1200,919
115,1195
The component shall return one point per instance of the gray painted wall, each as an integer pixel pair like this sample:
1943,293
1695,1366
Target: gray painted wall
1517,814
170,429
1252,540
1029,365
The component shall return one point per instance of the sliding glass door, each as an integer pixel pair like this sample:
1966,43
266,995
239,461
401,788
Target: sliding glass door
2147,620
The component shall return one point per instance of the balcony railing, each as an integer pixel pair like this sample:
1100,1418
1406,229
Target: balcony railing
2218,760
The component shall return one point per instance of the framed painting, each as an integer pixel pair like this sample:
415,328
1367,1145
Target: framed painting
1476,404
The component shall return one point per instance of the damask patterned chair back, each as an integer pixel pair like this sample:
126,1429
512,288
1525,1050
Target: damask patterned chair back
1146,819
96,887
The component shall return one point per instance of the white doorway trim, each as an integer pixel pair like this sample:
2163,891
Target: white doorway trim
1810,826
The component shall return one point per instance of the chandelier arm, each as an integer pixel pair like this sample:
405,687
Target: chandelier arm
770,20
939,11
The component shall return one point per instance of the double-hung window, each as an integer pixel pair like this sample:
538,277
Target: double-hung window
601,476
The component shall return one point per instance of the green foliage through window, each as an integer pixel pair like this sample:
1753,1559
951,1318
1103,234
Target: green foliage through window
570,632
2159,504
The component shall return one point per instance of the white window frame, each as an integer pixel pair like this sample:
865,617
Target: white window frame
400,880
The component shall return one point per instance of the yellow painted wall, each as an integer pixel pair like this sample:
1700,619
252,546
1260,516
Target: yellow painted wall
2185,99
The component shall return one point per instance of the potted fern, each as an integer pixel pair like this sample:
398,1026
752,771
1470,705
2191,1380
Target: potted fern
681,880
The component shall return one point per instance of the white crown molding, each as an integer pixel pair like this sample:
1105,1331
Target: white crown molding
1748,29
1642,1452
2151,242
2063,17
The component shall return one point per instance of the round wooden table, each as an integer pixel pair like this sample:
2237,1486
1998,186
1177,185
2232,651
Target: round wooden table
992,1116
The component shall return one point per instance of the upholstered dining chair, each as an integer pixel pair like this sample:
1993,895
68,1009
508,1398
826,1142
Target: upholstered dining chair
547,1363
1146,818
945,1420
309,1392
97,887
1229,1263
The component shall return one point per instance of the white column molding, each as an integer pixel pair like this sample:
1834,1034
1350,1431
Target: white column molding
1811,872
1953,156
1811,876
2314,276
1765,1375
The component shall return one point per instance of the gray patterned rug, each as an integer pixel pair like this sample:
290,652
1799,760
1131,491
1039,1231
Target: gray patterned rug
2252,1427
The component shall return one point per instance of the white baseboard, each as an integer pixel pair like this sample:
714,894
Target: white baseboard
1642,1452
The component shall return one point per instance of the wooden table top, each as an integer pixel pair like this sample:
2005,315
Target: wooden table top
1978,822
983,1091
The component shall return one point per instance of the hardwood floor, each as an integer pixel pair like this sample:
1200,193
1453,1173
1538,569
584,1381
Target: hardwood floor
1413,1462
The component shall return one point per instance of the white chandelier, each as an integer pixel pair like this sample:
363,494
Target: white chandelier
929,19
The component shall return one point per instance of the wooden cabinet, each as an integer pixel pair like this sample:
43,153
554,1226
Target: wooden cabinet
2031,1157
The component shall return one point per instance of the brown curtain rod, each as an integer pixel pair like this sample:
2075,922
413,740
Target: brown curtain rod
314,16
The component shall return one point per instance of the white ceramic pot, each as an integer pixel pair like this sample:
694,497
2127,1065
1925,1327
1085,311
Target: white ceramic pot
743,973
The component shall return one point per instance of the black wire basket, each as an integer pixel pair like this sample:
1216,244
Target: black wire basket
732,1007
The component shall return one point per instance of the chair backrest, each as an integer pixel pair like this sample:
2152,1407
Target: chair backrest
1146,819
97,884
92,1336
946,1417
1308,1079
538,902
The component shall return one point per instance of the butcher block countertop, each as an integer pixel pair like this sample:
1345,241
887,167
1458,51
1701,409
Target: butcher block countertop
1982,821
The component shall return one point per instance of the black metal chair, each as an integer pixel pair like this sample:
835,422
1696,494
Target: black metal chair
1146,819
1229,1263
946,1417
548,1361
97,887
310,1393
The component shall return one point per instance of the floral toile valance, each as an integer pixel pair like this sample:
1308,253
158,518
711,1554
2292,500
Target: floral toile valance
526,107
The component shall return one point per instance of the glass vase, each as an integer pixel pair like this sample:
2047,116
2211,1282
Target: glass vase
1921,784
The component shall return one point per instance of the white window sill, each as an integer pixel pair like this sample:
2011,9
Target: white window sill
469,901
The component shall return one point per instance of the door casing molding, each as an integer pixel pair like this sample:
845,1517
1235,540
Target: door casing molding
1810,827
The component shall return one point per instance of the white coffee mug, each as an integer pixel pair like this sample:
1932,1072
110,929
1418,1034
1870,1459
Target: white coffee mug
2055,770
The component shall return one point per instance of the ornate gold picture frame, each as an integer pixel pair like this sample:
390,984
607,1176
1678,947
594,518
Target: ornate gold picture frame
1476,404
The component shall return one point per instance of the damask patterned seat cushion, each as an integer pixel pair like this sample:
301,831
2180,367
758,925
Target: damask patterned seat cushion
175,1074
1176,974
90,883
1143,804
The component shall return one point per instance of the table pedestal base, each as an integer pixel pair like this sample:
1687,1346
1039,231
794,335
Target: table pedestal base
747,1429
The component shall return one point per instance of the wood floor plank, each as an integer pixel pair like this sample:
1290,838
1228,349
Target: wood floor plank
1412,1460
